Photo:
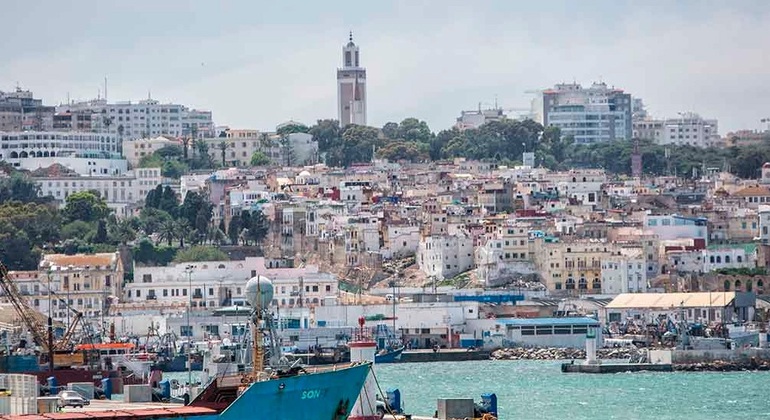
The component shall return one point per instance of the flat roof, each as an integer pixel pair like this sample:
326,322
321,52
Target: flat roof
671,300
527,322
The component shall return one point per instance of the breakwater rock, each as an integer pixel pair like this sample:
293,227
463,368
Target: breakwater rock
720,366
558,353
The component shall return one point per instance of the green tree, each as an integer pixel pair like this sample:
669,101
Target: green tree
287,150
101,232
193,205
402,150
18,187
222,146
151,219
358,143
291,129
390,130
234,229
87,206
200,253
259,159
167,231
327,134
168,201
78,229
412,129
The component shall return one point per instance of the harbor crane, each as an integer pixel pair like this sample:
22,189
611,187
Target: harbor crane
42,334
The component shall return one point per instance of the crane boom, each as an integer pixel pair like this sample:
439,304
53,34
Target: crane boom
28,315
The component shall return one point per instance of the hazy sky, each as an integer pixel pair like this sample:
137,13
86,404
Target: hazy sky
256,64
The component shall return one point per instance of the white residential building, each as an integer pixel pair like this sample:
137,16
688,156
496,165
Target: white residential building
91,154
477,118
690,129
623,274
764,224
120,192
672,226
223,283
401,240
445,256
595,114
727,256
145,118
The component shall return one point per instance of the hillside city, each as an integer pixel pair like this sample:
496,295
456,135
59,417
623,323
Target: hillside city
133,212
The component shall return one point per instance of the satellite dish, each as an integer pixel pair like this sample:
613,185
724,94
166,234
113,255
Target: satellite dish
259,292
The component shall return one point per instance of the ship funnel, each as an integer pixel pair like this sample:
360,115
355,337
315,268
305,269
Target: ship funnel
259,292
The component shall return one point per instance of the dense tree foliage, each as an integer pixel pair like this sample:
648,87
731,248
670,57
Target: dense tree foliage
258,158
200,253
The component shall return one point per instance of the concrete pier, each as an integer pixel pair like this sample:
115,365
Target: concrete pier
615,367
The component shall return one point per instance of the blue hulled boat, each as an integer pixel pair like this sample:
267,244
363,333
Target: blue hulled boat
389,356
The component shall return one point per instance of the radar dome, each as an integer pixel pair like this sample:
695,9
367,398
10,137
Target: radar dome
259,292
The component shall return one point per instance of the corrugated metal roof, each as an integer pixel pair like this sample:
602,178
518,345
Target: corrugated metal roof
671,300
527,322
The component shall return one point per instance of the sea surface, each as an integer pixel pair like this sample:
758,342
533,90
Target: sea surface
538,390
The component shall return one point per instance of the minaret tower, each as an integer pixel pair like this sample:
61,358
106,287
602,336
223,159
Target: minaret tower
351,87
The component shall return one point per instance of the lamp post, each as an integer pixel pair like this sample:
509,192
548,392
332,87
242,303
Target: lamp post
189,271
50,324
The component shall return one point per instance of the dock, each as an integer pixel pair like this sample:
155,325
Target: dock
615,367
444,355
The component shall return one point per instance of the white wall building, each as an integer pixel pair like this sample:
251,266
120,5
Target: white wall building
690,129
672,226
594,114
401,241
145,118
223,283
119,192
764,224
623,274
445,256
729,257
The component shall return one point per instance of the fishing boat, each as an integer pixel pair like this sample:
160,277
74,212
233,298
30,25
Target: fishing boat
276,387
391,355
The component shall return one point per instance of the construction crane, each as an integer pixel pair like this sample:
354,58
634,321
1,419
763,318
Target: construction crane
42,334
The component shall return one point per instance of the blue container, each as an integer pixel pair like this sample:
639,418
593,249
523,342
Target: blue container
165,389
107,388
394,399
52,385
489,403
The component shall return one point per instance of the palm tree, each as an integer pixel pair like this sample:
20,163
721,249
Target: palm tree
222,146
185,145
167,231
265,142
183,231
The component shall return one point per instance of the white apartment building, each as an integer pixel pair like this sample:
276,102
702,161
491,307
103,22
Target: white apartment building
445,256
362,236
623,274
505,253
764,224
134,150
35,149
212,284
145,118
719,257
477,118
671,226
400,240
594,114
690,129
582,185
120,192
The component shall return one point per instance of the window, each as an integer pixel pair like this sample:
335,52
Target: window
211,291
579,329
328,288
185,330
562,329
527,330
544,330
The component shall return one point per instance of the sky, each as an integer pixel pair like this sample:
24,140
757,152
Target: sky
257,64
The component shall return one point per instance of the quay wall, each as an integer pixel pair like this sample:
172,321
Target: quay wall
684,357
444,356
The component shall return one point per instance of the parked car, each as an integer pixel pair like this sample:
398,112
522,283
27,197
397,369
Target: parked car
72,399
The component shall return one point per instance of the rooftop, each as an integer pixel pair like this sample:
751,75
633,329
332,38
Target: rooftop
671,300
526,322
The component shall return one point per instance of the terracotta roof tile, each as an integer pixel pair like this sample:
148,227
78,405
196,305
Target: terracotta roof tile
81,260
753,191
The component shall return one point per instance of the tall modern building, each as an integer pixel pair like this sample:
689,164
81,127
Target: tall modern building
589,115
351,87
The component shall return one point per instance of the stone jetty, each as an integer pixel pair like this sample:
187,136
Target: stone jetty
558,353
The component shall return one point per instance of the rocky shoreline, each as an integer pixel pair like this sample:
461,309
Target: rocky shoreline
557,353
554,353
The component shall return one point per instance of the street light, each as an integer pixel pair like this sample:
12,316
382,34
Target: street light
189,271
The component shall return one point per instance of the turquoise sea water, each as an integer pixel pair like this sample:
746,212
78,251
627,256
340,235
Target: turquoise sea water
538,390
